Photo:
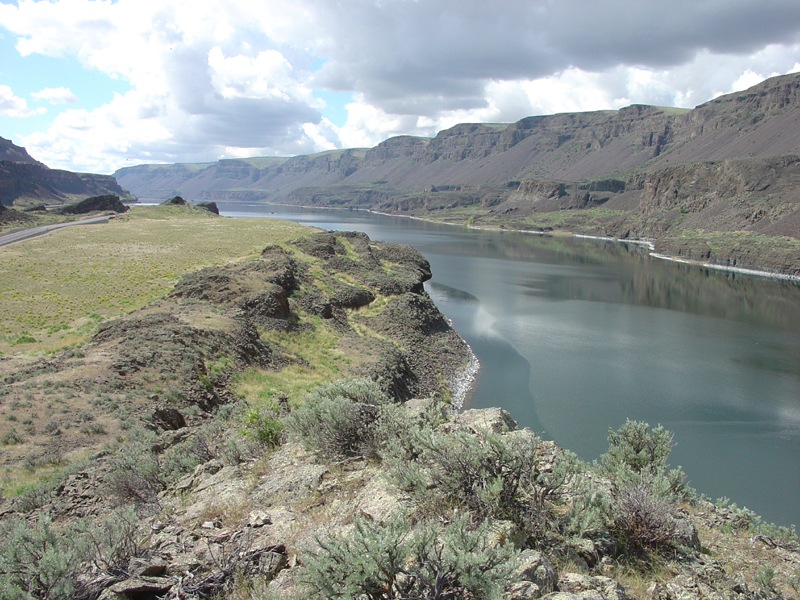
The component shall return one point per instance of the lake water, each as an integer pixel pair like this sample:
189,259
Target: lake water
574,336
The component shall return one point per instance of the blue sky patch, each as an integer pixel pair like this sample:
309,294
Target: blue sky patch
335,111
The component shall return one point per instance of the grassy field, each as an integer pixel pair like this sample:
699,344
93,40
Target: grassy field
55,288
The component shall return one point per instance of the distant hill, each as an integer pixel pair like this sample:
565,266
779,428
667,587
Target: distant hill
25,181
762,121
666,174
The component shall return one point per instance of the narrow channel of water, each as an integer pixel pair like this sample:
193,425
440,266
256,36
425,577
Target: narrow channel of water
574,336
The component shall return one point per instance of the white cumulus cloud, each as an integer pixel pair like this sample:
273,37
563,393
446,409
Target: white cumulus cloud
13,106
59,95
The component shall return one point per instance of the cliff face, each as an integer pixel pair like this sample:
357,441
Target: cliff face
26,180
761,121
10,151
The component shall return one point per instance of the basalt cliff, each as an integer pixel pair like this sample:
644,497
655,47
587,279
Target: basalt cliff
25,182
684,178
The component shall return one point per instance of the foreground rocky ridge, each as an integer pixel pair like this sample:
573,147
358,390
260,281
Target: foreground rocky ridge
150,384
729,165
177,488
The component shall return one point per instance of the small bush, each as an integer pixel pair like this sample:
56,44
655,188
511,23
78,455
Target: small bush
38,561
589,513
645,492
390,560
765,579
84,416
636,454
491,475
633,447
135,475
48,458
265,426
794,580
183,457
11,437
642,520
337,420
92,429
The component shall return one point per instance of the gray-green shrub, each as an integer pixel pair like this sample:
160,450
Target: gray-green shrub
38,560
338,419
633,446
642,519
391,560
41,561
491,475
642,509
135,475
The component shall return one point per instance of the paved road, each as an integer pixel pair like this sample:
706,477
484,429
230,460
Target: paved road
24,234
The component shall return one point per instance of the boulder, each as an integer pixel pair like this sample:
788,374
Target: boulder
95,203
168,418
493,419
209,206
535,568
602,588
177,200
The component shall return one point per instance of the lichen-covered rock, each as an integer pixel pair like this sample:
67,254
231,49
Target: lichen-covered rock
587,586
496,420
378,499
523,590
536,568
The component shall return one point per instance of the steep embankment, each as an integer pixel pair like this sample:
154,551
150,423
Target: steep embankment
762,121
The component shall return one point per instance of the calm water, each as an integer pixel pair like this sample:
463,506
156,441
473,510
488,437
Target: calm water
574,336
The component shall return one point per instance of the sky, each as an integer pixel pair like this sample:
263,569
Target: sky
95,85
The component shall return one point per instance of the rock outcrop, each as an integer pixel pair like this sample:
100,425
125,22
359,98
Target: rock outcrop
569,147
9,151
107,202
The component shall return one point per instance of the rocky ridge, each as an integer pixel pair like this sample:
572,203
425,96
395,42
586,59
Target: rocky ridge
165,376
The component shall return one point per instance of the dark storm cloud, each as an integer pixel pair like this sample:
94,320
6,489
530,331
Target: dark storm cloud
445,50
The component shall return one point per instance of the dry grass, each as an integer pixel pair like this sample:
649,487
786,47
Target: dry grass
55,288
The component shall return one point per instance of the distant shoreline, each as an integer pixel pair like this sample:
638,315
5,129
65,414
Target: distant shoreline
649,243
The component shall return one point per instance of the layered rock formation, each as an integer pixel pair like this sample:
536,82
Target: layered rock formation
27,181
566,147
